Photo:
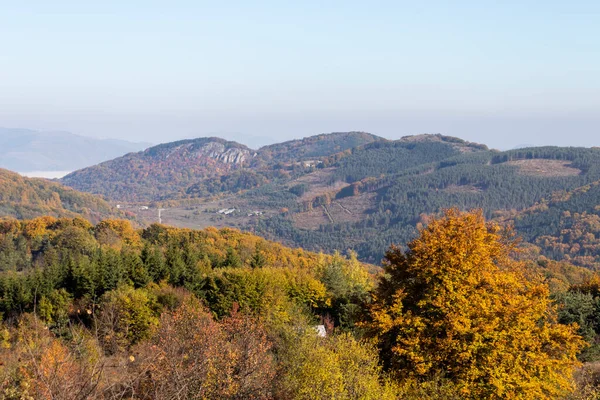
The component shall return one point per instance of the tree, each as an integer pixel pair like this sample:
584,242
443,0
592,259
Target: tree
233,259
195,357
337,367
258,259
54,309
456,305
175,264
154,260
584,310
116,232
127,316
37,365
349,284
138,272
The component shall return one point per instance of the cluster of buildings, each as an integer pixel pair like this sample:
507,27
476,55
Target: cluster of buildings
226,211
141,208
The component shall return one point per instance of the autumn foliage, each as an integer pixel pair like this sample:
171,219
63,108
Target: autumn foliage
455,305
111,312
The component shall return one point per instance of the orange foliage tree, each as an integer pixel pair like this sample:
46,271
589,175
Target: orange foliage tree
196,357
456,305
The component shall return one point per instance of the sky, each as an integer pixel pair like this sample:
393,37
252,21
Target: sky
504,73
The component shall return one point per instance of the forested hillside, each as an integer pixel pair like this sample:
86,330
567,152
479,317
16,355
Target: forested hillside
107,293
25,198
160,172
390,193
323,194
108,312
205,167
566,225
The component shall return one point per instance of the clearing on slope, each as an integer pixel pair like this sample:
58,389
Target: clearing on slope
545,168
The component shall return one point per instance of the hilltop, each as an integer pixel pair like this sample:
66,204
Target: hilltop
161,172
314,147
24,198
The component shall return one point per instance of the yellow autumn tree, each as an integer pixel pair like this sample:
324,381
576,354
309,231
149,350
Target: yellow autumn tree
116,232
456,306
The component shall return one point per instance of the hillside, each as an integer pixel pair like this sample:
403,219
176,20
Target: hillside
369,197
24,198
380,207
27,150
306,191
164,313
565,226
364,198
204,167
161,172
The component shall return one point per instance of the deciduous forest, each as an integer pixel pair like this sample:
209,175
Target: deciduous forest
108,311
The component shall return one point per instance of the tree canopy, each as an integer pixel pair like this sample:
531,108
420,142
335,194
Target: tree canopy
456,305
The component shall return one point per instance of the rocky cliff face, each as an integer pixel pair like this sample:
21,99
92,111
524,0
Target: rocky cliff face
219,152
211,149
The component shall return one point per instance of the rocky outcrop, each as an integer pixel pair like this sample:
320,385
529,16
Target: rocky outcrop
218,151
213,149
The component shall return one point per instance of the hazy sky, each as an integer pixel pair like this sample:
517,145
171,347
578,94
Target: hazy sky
500,72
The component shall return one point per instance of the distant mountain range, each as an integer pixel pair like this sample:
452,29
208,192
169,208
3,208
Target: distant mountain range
25,150
358,191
